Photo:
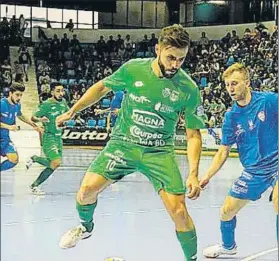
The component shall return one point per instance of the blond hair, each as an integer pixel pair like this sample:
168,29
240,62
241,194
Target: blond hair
174,35
236,67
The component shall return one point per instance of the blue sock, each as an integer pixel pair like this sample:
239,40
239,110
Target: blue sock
277,227
227,230
6,165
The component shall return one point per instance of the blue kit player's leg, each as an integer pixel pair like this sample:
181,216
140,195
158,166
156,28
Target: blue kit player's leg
247,187
8,150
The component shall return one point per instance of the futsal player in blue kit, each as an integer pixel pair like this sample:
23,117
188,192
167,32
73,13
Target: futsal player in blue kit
10,110
252,124
114,108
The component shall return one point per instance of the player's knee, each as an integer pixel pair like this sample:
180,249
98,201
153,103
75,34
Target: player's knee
227,213
179,213
87,195
54,164
13,158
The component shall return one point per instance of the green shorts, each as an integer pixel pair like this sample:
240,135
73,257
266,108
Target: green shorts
159,165
52,146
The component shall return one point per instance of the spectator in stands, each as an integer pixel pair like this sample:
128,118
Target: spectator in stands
70,25
48,24
152,42
25,60
203,39
65,43
101,45
45,87
22,24
4,27
75,44
111,44
6,73
44,78
119,41
128,41
43,67
234,37
107,71
19,72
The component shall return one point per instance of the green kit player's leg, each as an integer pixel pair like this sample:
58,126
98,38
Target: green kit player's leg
161,168
52,147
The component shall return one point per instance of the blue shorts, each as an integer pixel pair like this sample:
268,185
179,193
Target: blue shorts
251,187
7,147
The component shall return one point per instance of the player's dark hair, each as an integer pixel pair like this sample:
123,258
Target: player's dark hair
17,86
53,85
174,35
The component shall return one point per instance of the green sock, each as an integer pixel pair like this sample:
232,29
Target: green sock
42,177
188,242
86,215
41,160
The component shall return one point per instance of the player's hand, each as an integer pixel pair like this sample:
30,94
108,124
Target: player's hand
44,119
64,117
193,187
204,181
13,128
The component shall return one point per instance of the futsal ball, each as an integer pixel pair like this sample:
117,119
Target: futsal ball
115,259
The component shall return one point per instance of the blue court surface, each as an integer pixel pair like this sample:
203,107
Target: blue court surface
130,219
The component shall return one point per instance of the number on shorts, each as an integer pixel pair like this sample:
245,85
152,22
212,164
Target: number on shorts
111,164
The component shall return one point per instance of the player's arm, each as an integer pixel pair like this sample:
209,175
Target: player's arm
228,139
26,120
108,122
8,127
217,163
92,95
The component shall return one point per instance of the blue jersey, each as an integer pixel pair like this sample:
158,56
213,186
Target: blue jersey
9,112
116,104
254,128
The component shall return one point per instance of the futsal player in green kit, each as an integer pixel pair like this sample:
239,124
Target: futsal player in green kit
157,91
52,138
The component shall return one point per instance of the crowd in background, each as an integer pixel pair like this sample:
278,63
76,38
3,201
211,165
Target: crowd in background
77,66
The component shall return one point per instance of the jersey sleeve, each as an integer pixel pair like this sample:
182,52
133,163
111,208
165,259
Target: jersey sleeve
194,112
228,135
118,80
40,112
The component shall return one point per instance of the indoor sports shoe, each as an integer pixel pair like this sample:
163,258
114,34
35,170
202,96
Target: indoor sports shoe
217,250
37,191
70,238
29,163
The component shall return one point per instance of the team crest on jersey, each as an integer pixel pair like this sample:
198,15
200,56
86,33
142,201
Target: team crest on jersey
166,92
261,116
138,84
174,96
251,125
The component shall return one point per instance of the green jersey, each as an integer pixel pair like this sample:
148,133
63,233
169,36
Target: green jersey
51,109
151,107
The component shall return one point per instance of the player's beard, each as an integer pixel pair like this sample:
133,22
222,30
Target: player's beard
166,73
59,100
13,101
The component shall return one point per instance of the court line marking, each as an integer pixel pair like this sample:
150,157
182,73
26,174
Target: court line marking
263,253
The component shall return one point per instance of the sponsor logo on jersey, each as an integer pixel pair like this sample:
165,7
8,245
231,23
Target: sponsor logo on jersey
139,99
163,108
138,84
239,130
261,116
173,95
139,133
148,119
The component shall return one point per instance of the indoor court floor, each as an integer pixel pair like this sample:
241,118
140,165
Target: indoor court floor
130,219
